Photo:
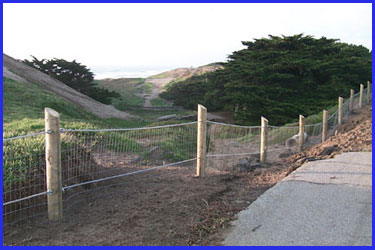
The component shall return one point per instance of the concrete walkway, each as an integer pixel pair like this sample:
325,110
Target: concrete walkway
324,202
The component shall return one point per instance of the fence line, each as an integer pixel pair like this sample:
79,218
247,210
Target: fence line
234,125
24,136
126,129
90,157
126,174
25,198
62,130
241,154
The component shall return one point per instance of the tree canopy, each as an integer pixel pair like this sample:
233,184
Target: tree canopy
75,75
278,77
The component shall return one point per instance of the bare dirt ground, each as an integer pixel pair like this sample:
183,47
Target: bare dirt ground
172,207
157,86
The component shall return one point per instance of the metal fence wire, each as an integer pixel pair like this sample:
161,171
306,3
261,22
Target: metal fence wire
98,159
24,181
226,144
92,157
236,148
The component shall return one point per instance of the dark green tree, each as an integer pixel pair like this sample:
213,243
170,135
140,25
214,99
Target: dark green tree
280,77
75,75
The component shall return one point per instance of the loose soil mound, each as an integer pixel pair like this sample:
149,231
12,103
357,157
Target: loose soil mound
354,135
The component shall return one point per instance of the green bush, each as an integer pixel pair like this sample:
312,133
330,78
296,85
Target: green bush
23,161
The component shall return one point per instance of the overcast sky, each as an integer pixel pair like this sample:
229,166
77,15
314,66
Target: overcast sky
139,39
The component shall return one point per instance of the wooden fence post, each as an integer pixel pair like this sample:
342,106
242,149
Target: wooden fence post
351,102
360,95
340,115
53,165
201,140
301,132
263,140
368,91
324,126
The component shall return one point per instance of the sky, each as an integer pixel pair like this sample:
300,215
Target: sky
139,40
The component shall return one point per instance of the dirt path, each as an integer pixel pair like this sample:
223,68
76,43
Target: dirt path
35,76
157,87
165,207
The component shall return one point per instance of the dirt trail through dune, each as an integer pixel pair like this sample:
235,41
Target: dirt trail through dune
157,87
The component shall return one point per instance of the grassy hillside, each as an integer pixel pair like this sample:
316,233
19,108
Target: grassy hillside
24,105
24,111
131,90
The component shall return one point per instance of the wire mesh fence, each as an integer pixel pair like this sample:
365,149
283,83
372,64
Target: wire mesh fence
237,148
91,160
226,144
130,145
92,157
24,184
100,159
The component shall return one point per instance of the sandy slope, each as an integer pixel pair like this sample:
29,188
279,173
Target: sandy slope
13,68
159,81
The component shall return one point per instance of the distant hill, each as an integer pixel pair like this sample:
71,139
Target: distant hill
138,92
181,74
